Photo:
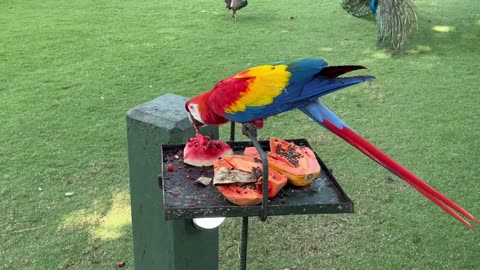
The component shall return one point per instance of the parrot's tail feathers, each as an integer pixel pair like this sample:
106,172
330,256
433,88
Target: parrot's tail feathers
374,153
335,71
329,120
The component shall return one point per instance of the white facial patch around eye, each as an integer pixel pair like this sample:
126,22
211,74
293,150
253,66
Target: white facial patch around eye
190,117
194,112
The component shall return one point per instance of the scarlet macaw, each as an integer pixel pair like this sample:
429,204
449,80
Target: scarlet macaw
259,92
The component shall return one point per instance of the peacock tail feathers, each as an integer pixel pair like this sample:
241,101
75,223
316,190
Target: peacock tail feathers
357,8
396,19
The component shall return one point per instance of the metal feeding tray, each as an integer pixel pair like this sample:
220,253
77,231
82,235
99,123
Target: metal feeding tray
183,198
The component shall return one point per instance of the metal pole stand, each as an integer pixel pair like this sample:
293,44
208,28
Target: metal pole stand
251,131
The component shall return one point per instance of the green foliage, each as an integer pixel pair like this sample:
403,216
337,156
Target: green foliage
69,71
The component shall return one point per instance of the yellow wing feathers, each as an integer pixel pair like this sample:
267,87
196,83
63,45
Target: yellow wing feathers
266,82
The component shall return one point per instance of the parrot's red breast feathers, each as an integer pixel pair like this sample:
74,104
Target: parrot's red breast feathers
227,92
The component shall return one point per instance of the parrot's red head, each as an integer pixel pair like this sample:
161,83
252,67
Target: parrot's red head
200,113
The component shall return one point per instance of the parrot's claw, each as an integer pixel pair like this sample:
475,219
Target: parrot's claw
249,130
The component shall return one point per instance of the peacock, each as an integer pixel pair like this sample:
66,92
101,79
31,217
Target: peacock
235,5
395,18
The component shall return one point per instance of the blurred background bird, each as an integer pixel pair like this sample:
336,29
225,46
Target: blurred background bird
395,19
235,5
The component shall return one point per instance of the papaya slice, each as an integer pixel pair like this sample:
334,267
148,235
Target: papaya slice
298,163
240,196
247,193
226,173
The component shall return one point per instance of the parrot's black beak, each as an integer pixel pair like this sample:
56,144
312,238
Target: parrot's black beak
195,123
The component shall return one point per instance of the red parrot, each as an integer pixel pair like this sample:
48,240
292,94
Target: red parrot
256,93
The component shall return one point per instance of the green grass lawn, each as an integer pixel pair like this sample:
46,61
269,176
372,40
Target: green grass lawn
69,71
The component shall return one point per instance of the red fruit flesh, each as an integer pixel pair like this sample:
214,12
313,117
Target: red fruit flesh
203,151
298,163
250,194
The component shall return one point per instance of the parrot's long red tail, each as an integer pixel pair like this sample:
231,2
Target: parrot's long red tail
326,118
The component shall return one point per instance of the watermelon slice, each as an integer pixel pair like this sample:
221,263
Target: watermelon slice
203,151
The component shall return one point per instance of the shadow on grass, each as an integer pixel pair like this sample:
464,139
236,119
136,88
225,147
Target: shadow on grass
104,234
109,226
435,36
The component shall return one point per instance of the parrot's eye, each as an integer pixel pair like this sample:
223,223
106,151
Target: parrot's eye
190,107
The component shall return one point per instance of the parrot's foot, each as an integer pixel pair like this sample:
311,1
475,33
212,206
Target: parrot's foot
249,130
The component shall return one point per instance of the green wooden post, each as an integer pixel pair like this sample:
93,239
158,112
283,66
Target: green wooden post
160,244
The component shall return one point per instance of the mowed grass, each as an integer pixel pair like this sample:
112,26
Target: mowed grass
70,70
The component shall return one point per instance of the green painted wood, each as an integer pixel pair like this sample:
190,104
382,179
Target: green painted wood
160,244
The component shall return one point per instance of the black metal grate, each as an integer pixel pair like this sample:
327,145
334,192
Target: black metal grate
185,199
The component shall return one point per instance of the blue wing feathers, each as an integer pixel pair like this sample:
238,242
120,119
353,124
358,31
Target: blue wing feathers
310,79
